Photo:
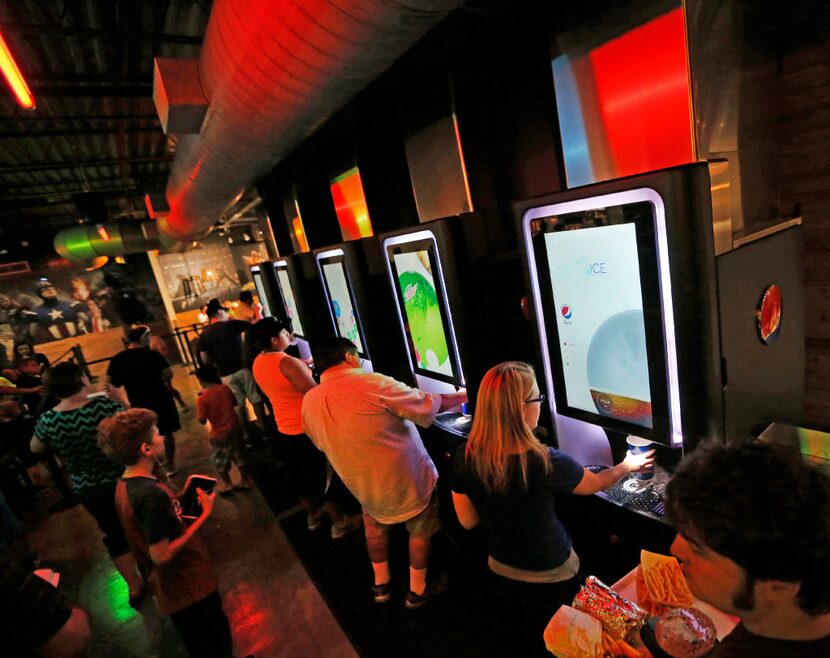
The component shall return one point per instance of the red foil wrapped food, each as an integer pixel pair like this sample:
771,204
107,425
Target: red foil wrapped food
619,616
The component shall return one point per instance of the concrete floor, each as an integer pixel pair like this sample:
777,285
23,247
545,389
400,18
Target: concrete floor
273,606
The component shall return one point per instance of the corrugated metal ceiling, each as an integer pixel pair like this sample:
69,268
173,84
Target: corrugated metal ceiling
89,64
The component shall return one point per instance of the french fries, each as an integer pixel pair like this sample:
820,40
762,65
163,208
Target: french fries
613,648
666,584
644,597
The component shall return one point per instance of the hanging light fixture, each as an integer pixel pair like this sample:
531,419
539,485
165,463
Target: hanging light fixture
15,79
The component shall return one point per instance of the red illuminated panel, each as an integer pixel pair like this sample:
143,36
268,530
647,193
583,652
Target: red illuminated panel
642,85
602,160
15,79
350,205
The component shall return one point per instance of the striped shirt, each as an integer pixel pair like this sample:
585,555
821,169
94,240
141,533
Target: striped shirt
73,435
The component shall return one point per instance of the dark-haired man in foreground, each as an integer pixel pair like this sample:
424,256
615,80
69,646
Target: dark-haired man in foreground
363,421
753,540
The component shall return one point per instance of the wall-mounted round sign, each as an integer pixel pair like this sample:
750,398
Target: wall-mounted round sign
769,314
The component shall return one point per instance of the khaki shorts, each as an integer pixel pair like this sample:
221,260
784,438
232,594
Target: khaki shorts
243,386
223,452
424,524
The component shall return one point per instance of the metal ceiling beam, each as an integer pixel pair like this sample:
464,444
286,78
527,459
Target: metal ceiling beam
93,78
131,189
80,131
92,91
40,189
45,166
78,187
16,190
125,192
110,35
248,206
80,119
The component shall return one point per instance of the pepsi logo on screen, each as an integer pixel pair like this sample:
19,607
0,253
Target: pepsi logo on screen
567,311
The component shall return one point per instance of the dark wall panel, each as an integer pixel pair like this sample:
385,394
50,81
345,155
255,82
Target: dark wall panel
381,158
271,189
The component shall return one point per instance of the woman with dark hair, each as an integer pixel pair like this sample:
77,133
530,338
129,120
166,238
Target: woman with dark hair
25,350
506,479
248,309
70,429
285,380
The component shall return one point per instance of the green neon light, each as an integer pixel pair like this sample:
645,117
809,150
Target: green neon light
117,597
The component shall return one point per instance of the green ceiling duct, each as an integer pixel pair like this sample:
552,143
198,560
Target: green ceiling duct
83,244
108,240
74,244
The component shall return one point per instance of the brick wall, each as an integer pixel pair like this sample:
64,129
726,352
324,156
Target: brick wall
804,111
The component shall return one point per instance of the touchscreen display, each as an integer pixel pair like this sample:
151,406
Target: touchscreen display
290,303
423,312
260,291
341,303
595,278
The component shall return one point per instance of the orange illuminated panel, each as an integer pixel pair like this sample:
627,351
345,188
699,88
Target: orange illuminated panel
298,234
296,229
350,205
15,79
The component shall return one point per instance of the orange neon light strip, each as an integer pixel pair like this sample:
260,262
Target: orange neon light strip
14,77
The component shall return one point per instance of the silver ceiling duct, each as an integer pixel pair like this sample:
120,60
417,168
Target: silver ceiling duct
273,72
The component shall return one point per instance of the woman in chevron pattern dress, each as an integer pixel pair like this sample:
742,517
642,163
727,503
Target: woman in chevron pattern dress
70,429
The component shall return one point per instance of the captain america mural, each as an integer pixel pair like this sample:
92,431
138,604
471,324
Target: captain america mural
57,318
55,300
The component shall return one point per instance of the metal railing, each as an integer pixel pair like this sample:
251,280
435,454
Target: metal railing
185,340
186,337
77,355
